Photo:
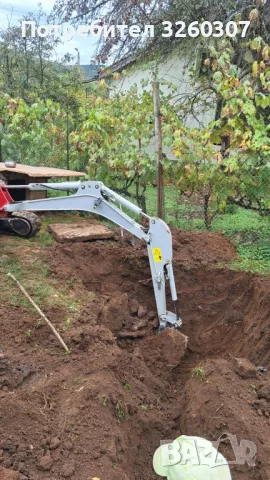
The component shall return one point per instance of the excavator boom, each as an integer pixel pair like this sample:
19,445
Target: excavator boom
95,197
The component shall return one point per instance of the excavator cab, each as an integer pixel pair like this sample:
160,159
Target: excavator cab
23,224
5,199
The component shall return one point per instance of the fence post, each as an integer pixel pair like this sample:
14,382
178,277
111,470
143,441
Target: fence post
67,145
67,139
158,141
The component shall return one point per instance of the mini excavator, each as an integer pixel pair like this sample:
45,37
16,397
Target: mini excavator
17,218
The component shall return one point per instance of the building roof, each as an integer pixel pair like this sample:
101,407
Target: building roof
47,172
91,71
104,72
118,66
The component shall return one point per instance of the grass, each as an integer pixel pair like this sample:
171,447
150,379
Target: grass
25,260
250,233
31,275
35,277
198,372
253,388
120,412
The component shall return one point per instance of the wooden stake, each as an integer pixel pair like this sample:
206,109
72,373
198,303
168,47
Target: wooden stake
158,137
40,312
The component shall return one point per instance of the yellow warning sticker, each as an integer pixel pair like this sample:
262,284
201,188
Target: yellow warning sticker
157,254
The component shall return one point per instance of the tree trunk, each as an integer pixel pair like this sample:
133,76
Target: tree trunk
9,75
207,217
140,197
40,62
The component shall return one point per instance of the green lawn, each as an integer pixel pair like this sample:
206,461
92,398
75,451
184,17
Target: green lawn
251,234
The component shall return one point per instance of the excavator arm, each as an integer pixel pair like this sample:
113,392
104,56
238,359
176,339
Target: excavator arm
94,197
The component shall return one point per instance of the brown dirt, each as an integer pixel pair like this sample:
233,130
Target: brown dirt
103,410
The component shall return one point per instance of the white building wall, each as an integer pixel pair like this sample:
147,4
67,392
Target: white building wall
174,70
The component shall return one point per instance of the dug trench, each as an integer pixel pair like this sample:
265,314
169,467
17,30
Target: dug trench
101,412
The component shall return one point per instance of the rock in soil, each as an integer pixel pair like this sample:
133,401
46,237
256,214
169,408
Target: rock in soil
170,345
139,324
46,462
244,368
142,311
54,443
116,312
128,334
6,474
68,469
264,392
134,306
11,375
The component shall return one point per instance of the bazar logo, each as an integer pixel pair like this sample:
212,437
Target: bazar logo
199,455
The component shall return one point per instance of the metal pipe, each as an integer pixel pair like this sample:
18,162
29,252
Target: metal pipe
172,282
47,186
123,201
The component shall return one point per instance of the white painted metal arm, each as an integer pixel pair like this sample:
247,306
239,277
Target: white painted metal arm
88,198
94,197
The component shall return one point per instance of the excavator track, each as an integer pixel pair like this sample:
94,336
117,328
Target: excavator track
21,224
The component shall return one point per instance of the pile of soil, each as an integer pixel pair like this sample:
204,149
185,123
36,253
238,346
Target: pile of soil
101,412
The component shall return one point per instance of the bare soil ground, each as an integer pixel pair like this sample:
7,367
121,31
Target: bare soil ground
102,411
